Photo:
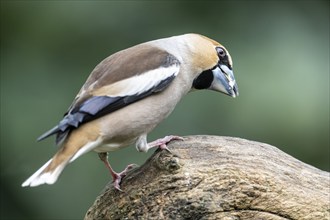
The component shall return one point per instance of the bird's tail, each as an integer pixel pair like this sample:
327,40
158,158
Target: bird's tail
69,151
47,174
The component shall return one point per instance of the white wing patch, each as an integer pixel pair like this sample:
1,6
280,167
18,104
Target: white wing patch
138,83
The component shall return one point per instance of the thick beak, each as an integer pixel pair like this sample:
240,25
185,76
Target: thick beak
224,81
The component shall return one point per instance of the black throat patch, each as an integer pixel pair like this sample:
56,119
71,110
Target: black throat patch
204,80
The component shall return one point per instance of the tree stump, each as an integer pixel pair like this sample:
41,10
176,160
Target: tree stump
211,177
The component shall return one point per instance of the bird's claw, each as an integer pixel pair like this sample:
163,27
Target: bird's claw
117,177
162,143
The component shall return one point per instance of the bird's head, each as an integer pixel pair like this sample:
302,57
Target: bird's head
215,66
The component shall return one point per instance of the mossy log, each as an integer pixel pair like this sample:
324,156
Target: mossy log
211,177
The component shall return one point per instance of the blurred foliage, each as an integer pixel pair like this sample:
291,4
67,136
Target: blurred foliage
48,48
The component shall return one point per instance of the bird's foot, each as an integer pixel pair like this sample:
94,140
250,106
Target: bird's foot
162,142
117,177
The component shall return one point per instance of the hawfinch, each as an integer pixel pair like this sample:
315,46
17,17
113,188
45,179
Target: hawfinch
129,93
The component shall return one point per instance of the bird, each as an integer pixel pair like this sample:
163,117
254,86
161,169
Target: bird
129,93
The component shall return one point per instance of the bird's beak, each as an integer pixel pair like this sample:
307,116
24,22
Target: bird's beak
224,81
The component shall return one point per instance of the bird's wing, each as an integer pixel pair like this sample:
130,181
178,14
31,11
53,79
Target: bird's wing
119,80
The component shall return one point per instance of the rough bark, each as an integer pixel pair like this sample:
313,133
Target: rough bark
210,177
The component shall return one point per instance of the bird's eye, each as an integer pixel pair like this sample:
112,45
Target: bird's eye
221,52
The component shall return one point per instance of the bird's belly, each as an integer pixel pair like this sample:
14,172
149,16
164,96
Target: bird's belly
123,127
113,146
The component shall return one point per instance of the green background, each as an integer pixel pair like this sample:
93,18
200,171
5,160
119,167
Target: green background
280,51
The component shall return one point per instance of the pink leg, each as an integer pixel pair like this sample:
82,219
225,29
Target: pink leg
117,177
161,143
